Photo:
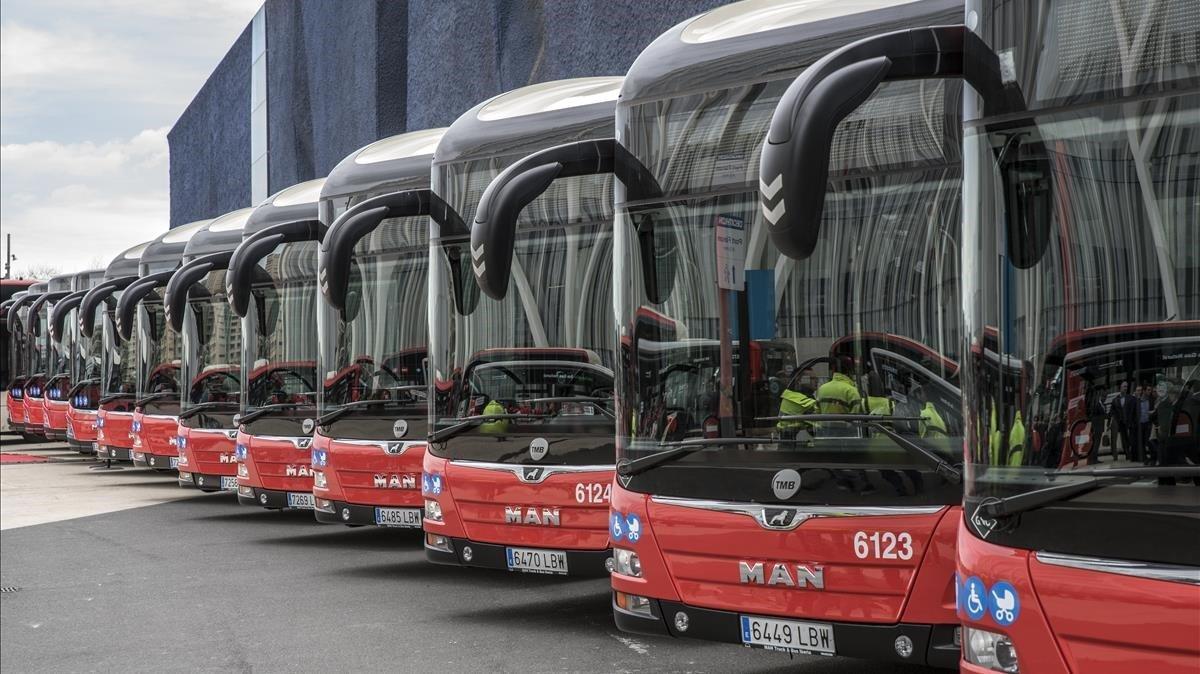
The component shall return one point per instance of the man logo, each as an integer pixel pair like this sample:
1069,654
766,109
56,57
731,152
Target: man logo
538,449
805,575
533,474
395,481
548,517
400,428
297,471
308,425
303,443
785,484
228,458
395,448
784,519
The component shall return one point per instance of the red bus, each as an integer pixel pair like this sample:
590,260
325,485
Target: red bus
11,290
272,286
1080,258
369,440
197,308
70,357
43,363
518,472
18,354
141,317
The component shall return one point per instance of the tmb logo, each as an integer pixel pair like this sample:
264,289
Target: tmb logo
547,517
395,481
805,575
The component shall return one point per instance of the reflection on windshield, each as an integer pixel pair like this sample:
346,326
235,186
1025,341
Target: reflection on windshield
546,350
212,342
376,350
159,350
1091,357
840,362
279,366
120,359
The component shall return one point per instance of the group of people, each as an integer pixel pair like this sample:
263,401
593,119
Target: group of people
1152,425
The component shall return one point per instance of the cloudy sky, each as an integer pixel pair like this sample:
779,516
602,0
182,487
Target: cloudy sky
88,91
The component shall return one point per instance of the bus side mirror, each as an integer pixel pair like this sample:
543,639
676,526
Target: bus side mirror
93,299
335,256
240,279
133,295
1025,178
58,315
495,230
179,288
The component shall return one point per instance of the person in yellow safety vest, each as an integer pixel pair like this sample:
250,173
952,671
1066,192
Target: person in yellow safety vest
794,403
878,404
1016,441
932,425
839,395
993,438
497,426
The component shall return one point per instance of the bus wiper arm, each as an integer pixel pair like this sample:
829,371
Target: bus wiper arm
1032,500
680,449
152,397
941,466
200,408
113,396
342,410
267,409
467,423
575,399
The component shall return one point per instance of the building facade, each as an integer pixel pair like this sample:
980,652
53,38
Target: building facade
309,81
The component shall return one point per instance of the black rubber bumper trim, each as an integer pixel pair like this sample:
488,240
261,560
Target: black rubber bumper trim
933,645
360,515
207,482
56,435
159,462
492,556
81,446
276,500
114,453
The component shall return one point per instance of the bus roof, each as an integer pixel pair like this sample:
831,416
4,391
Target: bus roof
166,252
390,164
126,262
298,202
531,118
763,40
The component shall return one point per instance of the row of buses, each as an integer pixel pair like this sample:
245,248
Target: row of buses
865,328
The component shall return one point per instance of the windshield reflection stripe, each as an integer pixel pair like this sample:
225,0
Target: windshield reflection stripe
1168,572
518,467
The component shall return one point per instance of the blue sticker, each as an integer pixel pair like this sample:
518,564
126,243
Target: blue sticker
974,598
239,452
634,526
431,483
616,528
319,458
1003,603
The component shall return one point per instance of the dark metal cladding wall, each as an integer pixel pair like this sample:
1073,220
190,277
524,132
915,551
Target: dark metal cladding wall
463,51
343,73
335,82
210,143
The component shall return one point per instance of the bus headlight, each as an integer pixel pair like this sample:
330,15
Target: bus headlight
243,471
990,649
626,563
433,510
319,481
632,603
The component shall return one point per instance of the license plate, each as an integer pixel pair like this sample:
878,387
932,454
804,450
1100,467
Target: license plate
96,447
301,501
398,517
174,461
791,636
228,483
536,561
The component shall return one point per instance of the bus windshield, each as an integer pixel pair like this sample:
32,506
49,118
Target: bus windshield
1088,359
58,367
541,358
119,360
280,341
158,355
842,366
373,357
212,343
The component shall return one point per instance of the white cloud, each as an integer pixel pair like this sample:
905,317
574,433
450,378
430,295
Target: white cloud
66,204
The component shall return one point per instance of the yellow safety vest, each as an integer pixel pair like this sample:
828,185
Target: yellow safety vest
932,425
793,403
839,396
498,426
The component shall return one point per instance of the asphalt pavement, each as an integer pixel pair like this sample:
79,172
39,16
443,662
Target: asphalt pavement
205,584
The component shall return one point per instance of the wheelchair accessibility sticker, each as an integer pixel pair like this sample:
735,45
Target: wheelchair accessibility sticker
616,527
974,598
1003,604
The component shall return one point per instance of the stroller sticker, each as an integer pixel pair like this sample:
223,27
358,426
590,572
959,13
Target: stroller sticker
1003,604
